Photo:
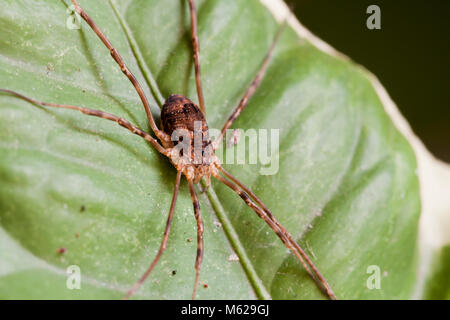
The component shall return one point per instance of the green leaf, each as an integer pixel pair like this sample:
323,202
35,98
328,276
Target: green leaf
346,187
438,284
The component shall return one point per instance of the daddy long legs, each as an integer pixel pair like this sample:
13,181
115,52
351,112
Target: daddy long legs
183,119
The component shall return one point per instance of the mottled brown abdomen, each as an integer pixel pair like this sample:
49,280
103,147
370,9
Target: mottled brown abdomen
178,112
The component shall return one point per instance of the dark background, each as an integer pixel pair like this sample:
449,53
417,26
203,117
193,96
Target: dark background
410,55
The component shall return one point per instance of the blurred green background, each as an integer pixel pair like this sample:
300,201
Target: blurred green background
410,55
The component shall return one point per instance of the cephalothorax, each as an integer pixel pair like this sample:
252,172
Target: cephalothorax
184,139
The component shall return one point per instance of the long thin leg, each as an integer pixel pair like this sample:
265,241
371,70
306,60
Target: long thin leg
260,203
96,113
196,53
250,91
317,273
243,187
200,229
264,207
163,243
116,56
284,236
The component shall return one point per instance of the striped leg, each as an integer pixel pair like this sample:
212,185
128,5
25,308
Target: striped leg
116,56
284,236
163,243
196,54
97,113
200,229
250,91
272,217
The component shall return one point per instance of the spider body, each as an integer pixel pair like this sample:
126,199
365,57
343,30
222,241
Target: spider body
178,112
190,145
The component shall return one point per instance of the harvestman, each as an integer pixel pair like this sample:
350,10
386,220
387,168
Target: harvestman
180,113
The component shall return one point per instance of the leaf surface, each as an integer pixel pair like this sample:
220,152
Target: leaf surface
344,181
